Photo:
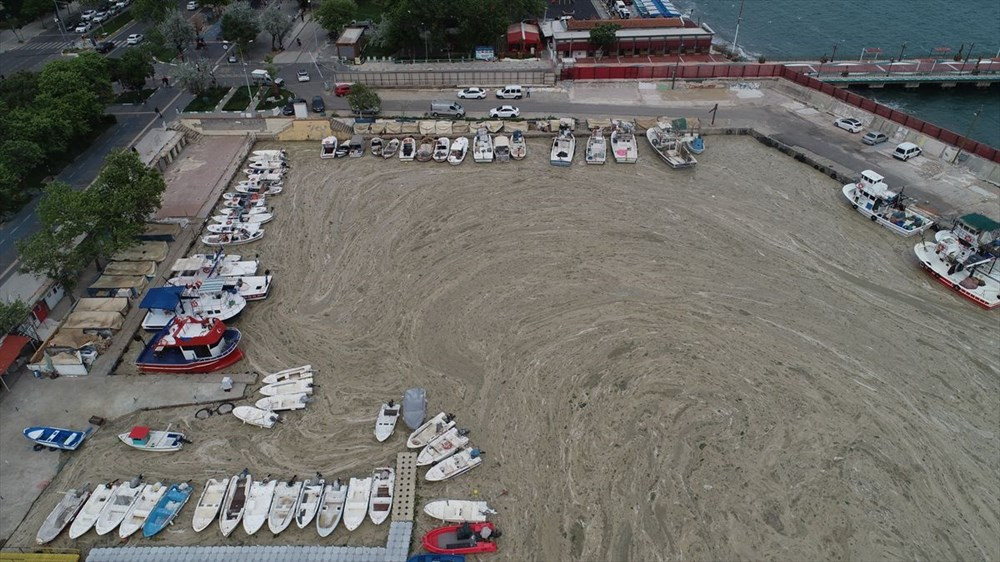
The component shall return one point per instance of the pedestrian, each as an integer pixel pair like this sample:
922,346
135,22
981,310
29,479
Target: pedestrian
298,41
527,92
158,114
303,16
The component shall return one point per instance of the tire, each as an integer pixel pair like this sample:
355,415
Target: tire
53,448
854,206
203,414
874,218
38,447
224,408
434,114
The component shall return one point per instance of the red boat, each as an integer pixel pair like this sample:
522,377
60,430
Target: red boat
191,345
466,538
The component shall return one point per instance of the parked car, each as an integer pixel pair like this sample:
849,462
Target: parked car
509,92
369,111
342,90
848,124
106,47
303,75
87,15
192,6
135,39
82,28
99,17
906,150
289,108
231,58
472,94
318,105
874,137
505,111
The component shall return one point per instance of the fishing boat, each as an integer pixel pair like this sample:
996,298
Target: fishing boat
377,144
964,259
597,148
121,501
237,217
429,430
356,147
265,164
244,197
259,188
380,503
309,498
459,463
331,507
259,500
141,509
167,508
62,514
356,505
623,143
328,146
459,511
287,375
443,446
390,149
871,197
264,176
458,150
695,143
425,151
407,149
56,437
250,287
467,538
92,509
286,496
388,414
518,147
191,345
669,147
304,386
482,146
229,213
210,300
235,502
563,147
441,149
501,148
256,416
202,266
414,407
283,402
208,504
241,236
142,438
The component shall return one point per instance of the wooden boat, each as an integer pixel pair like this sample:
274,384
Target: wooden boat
597,148
258,505
443,446
385,423
518,147
241,236
292,374
459,148
191,345
56,437
141,509
501,148
286,496
167,508
283,402
331,507
563,147
441,148
414,407
429,430
380,503
669,147
377,144
243,218
425,151
256,416
142,438
208,504
304,386
482,146
458,511
356,147
459,463
466,538
235,502
91,510
121,501
356,505
309,498
328,146
871,197
407,149
62,514
390,149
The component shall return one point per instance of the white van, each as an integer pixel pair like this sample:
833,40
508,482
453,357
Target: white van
906,150
509,92
260,76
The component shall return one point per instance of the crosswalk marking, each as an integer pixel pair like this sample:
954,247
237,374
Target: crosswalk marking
44,46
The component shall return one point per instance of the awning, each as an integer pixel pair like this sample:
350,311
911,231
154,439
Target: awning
523,34
164,298
10,349
139,432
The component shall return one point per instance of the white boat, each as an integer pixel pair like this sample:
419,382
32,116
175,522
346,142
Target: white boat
273,153
244,197
92,509
964,259
459,463
121,500
385,423
304,386
458,511
241,237
266,164
458,150
433,427
248,218
262,189
390,149
197,269
328,147
331,508
208,504
235,502
597,148
501,148
234,213
407,149
286,496
251,288
293,374
144,439
441,149
623,143
518,147
377,144
871,197
443,446
256,416
482,146
245,203
264,176
563,147
141,508
356,504
221,304
309,498
62,514
669,147
283,402
258,504
232,228
380,503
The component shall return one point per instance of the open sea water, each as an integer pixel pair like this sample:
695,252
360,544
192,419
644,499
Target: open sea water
809,29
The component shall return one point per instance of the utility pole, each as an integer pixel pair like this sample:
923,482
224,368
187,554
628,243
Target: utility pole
673,79
967,55
965,137
736,36
834,55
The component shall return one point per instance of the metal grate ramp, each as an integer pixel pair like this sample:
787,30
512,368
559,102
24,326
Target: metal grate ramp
406,485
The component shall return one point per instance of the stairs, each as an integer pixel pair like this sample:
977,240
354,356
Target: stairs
338,125
189,134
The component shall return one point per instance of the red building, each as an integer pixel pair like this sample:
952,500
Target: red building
637,37
523,40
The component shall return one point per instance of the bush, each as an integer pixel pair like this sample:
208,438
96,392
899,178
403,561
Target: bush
208,100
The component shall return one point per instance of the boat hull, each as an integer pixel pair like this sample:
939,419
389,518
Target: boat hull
988,296
148,363
444,540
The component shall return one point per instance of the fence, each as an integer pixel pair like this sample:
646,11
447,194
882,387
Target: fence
447,78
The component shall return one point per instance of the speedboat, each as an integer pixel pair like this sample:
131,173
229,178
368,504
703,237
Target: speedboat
167,509
597,148
518,148
563,147
467,538
407,149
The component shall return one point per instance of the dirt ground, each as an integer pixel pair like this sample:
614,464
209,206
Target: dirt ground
718,364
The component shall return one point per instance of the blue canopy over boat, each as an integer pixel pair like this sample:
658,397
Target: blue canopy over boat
162,298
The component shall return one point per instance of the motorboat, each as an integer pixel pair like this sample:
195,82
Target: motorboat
258,504
208,504
459,463
331,507
695,143
377,144
623,143
467,538
342,151
563,147
303,386
669,147
241,236
283,402
269,165
441,149
482,146
245,204
257,416
229,219
286,375
501,148
260,188
459,147
459,511
167,508
597,148
356,147
425,152
273,153
356,505
56,437
407,149
191,345
232,227
871,197
91,510
309,499
964,259
390,149
380,503
210,300
62,514
328,146
235,502
518,146
121,501
286,496
145,439
429,430
388,415
136,516
443,446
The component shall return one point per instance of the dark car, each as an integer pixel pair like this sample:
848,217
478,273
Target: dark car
318,105
289,108
106,47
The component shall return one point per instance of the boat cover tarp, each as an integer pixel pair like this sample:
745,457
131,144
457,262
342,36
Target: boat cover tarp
377,128
426,127
137,282
362,128
645,122
408,127
598,123
393,127
147,268
685,124
161,231
64,357
152,250
97,304
414,407
442,128
94,320
459,127
72,338
162,298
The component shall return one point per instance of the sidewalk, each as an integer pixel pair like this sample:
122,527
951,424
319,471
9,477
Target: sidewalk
12,39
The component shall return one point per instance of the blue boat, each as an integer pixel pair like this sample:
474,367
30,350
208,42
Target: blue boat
695,144
55,437
167,508
437,558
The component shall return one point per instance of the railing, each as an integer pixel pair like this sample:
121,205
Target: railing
447,78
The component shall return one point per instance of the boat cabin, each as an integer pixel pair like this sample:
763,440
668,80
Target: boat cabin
194,339
329,147
139,435
976,230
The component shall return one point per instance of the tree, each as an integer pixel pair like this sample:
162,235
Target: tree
152,11
362,98
277,24
134,67
177,30
334,14
121,200
12,315
58,250
193,76
240,24
603,36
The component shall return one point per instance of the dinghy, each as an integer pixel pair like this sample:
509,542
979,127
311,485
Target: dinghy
62,514
167,508
91,510
429,430
295,373
414,407
242,236
377,144
246,218
208,504
597,148
563,147
331,508
694,143
142,438
304,386
356,505
283,402
441,149
309,498
462,462
390,149
426,150
230,227
121,501
458,150
518,148
235,502
482,146
141,509
256,416
388,414
265,164
443,446
407,149
380,503
462,539
501,148
458,511
56,437
328,146
258,505
286,496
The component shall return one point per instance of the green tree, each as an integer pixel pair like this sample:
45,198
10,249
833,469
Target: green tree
12,315
194,76
121,200
177,30
362,98
240,24
603,36
334,14
19,89
275,22
134,67
152,11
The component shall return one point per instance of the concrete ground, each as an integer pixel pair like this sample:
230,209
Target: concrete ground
192,176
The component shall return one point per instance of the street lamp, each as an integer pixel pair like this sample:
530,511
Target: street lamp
673,79
965,137
243,60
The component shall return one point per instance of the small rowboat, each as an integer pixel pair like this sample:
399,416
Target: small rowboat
256,416
356,505
167,508
121,501
459,463
431,429
462,539
308,504
62,514
286,496
388,414
155,441
458,511
258,505
56,437
381,499
304,386
390,149
141,509
283,402
292,374
208,504
331,508
235,502
377,146
91,510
